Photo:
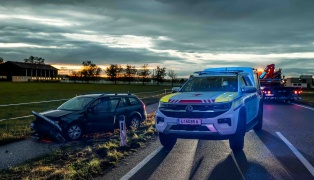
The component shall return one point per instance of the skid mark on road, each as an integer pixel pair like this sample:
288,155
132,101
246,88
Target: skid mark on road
297,153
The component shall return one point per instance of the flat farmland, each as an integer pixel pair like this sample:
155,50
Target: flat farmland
16,93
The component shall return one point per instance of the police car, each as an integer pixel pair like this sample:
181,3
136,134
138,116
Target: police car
214,104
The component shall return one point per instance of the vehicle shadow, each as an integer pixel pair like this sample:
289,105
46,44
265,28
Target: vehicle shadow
236,166
284,155
146,171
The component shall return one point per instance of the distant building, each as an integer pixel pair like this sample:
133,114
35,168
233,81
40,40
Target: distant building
305,81
23,72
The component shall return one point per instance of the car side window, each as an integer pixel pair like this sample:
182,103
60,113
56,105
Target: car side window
133,101
114,102
122,103
102,105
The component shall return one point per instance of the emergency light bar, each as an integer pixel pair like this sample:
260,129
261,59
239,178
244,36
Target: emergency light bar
220,71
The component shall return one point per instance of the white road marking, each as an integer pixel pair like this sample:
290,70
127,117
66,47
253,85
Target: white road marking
297,153
303,106
141,164
16,118
235,161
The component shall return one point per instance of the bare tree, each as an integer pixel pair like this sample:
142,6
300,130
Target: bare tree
129,73
35,60
160,74
144,72
114,72
172,75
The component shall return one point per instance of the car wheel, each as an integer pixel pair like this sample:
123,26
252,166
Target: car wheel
236,142
167,141
134,122
74,132
259,124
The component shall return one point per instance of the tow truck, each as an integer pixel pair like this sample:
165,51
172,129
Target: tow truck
273,86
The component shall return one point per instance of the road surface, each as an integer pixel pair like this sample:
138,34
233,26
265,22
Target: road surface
283,149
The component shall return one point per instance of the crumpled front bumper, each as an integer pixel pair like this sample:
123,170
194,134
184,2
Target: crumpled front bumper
45,127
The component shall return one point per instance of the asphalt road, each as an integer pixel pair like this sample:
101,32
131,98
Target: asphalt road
283,149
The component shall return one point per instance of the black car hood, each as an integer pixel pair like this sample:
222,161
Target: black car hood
56,113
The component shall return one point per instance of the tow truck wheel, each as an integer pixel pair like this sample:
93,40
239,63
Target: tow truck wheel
259,124
74,132
167,141
236,142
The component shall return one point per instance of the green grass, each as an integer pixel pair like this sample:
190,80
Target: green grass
12,93
85,159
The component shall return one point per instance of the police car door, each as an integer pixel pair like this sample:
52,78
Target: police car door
247,99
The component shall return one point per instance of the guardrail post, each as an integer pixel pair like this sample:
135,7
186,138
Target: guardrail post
122,130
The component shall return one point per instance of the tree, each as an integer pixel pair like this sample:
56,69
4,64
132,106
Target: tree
144,72
1,60
114,72
35,60
129,73
75,75
172,75
90,70
160,74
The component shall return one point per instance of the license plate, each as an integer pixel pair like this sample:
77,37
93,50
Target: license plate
269,94
190,121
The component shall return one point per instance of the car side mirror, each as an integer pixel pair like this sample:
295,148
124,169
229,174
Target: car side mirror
175,89
248,89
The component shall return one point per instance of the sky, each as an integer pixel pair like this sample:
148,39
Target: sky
184,36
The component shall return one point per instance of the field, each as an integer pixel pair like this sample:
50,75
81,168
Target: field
14,93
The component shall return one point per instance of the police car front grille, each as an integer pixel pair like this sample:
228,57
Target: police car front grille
189,128
175,114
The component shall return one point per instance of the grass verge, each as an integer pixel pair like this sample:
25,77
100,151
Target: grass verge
84,159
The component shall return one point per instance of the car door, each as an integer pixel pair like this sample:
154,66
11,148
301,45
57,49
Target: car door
100,116
123,108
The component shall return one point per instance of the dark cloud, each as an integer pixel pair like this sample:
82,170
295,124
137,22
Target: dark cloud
179,32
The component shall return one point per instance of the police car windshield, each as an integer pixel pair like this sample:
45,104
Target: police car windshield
211,83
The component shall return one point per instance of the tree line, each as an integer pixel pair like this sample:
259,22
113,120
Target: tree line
90,71
129,73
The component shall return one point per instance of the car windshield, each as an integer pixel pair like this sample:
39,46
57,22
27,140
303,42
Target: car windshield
75,104
211,83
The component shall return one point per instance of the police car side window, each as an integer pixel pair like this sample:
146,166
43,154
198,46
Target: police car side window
248,81
242,82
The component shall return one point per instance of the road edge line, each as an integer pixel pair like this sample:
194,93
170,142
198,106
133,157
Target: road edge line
141,164
306,107
309,167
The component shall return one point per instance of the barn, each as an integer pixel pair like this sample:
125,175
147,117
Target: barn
22,72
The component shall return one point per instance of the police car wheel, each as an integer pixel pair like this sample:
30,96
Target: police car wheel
236,142
167,141
259,124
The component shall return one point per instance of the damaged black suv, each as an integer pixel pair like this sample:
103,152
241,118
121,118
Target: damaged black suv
87,114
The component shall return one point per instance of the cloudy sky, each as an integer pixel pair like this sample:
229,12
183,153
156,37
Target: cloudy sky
185,36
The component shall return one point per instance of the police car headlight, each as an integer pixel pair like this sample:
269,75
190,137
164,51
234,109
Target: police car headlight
222,106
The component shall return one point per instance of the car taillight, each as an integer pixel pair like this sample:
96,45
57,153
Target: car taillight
295,92
144,107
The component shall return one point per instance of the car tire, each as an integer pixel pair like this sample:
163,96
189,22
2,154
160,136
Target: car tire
259,124
74,132
134,122
167,141
236,142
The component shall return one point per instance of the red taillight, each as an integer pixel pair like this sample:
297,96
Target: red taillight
295,92
144,107
269,92
300,92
